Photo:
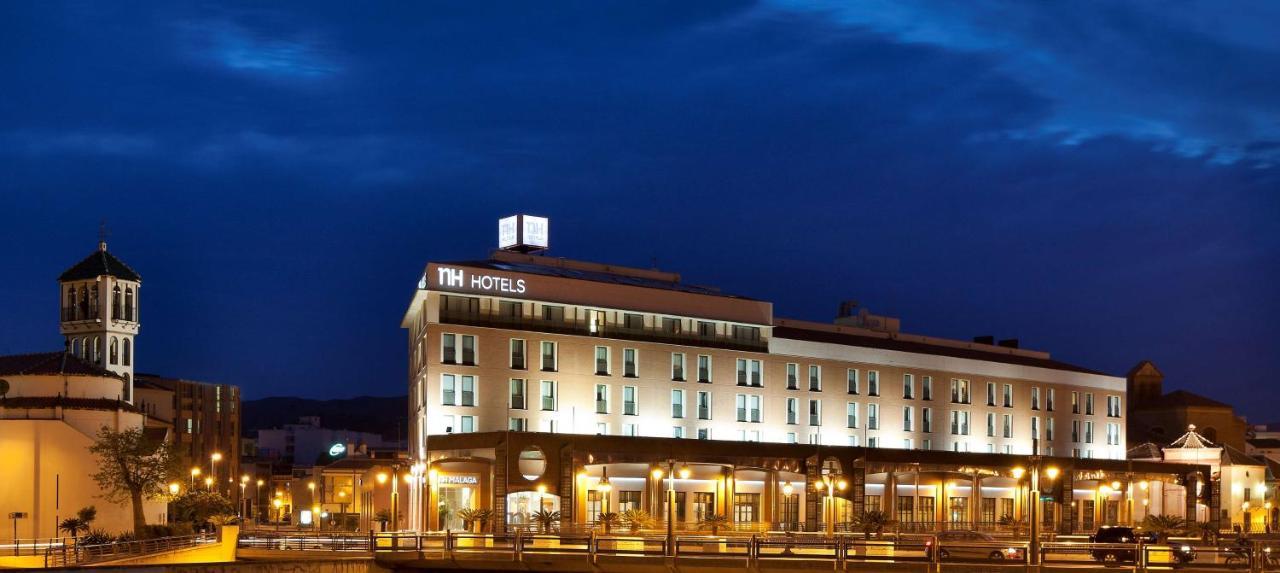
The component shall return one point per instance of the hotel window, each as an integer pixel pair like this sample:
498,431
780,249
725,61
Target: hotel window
872,442
548,395
677,404
677,366
815,412
449,348
926,388
991,425
460,304
1008,426
907,426
548,356
707,329
703,434
448,390
633,321
1035,429
752,435
468,391
1113,406
517,354
906,445
959,423
959,391
629,407
1048,430
757,379
596,321
1035,398
926,421
750,333
851,380
748,407
791,437
510,309
602,360
704,405
672,325
742,372
602,399
602,428
549,425
873,383
628,430
851,415
1008,449
677,431
468,424
853,440
553,313
1088,432
793,411
629,500
815,438
1113,434
991,393
704,368
517,394
746,507
1075,431
1008,395
629,369
926,444
815,378
447,419
873,416
793,376
1048,403
1075,402
908,387
517,424
1088,404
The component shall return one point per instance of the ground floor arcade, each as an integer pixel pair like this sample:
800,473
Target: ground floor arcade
757,486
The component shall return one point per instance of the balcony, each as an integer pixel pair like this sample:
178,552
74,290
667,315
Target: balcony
583,328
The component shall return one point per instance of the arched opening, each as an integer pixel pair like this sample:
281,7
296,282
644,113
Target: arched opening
128,305
532,463
115,303
113,351
128,352
82,309
75,347
523,507
69,308
96,355
93,302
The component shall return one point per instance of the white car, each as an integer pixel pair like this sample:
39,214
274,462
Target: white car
971,545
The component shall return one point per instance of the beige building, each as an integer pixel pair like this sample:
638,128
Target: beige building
537,344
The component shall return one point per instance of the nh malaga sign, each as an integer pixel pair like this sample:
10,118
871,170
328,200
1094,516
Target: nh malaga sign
451,277
460,480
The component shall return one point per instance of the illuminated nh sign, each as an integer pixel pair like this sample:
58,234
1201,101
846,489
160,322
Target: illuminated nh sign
449,277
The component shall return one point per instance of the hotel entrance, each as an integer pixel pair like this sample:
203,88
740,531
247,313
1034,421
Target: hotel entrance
457,486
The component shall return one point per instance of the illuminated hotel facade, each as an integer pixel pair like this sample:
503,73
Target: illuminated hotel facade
583,387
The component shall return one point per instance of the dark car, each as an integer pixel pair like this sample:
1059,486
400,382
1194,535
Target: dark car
1121,535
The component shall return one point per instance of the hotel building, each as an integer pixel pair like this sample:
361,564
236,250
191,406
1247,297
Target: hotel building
586,388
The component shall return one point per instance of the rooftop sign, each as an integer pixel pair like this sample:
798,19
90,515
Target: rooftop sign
523,233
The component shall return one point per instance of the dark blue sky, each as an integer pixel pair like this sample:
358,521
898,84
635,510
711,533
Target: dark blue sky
1098,180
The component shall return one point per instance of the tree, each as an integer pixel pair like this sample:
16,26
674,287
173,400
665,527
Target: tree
132,466
713,521
546,519
201,507
872,522
1164,525
384,517
74,526
635,519
608,520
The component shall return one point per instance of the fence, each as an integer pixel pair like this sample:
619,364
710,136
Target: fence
28,547
305,541
77,554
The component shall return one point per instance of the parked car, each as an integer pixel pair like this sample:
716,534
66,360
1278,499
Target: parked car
1123,535
974,545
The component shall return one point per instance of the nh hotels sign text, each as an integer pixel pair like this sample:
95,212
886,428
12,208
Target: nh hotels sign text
458,278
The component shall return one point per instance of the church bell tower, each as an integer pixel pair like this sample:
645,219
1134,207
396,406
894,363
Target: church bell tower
100,313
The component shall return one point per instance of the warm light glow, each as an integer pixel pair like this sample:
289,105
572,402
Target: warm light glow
260,482
342,494
208,482
1245,505
605,487
217,456
244,478
842,484
656,473
1115,485
581,475
195,472
1267,505
311,485
315,509
1146,502
382,477
542,488
787,490
279,493
819,485
432,474
1262,488
1018,472
276,502
684,471
1105,490
1144,484
173,488
1051,473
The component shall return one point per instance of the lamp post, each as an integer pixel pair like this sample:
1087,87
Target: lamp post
787,491
257,496
277,504
342,508
604,487
208,484
195,472
830,482
244,482
214,458
380,479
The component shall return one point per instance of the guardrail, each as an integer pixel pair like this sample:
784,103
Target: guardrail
81,554
305,541
37,546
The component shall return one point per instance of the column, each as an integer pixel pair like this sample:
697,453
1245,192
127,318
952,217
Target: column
890,503
769,498
975,498
730,486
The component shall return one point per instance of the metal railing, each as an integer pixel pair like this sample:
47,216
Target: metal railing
78,554
305,541
37,546
583,327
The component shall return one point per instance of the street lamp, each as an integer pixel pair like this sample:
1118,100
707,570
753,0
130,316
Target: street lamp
342,508
173,488
831,482
208,484
604,487
257,496
244,482
214,458
195,472
277,503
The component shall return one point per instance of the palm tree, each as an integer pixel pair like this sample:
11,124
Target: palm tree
1208,531
384,517
874,521
608,520
713,521
468,517
482,517
1164,525
546,519
1015,524
73,526
636,519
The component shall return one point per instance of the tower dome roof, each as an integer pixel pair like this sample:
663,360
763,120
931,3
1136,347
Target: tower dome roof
99,263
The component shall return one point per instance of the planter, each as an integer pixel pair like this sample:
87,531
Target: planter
474,542
876,549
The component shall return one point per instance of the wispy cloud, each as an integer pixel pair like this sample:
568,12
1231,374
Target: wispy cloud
1192,81
40,143
267,53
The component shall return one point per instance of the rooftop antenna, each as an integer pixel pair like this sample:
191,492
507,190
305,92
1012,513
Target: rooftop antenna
102,235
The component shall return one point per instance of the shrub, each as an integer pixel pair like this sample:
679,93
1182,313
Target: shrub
636,519
97,537
714,522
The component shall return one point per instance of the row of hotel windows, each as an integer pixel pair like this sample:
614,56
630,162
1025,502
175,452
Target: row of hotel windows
90,348
83,304
461,349
461,391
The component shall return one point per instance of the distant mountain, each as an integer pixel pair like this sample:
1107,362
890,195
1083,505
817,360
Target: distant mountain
377,414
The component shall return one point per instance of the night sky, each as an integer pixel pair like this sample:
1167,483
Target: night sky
1100,180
